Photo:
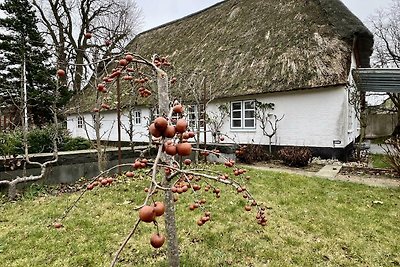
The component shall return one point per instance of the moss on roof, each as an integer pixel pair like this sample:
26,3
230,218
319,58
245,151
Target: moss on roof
247,47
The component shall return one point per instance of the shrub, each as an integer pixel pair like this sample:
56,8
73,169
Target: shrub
77,143
253,153
392,153
11,143
295,156
40,140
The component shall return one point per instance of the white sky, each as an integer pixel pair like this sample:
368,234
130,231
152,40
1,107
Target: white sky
157,12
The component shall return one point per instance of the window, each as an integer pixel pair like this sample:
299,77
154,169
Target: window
137,117
243,114
191,113
80,122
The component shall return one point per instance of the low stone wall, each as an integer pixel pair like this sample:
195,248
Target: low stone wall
71,165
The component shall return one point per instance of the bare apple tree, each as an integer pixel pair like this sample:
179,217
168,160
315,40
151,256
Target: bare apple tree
169,171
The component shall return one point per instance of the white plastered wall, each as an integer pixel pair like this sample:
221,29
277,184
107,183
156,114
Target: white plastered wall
108,127
313,117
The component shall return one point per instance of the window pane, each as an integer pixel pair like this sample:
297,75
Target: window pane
137,117
249,114
237,114
236,106
236,123
249,105
249,123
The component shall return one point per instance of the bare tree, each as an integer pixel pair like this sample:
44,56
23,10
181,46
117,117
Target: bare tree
268,120
12,184
386,27
74,26
216,119
202,92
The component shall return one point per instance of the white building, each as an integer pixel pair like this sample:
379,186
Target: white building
295,54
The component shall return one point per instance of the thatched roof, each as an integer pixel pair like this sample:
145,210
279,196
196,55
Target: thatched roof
247,47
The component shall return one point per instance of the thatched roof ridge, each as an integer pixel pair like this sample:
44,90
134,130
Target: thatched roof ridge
247,47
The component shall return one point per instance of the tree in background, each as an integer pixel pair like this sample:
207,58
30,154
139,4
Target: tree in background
74,26
386,28
215,120
268,121
22,44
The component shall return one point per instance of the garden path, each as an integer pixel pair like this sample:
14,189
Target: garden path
334,175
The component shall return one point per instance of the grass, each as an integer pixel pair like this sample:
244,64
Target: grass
379,161
312,222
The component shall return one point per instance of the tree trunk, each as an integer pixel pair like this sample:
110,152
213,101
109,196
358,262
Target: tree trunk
12,191
78,72
269,147
396,131
170,228
363,123
101,162
170,223
131,133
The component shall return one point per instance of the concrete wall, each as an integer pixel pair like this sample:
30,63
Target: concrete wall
71,166
380,125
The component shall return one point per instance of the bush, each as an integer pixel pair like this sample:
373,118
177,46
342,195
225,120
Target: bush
11,143
40,140
253,153
78,143
392,153
295,156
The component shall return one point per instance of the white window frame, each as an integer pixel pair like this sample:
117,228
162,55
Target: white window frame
80,121
242,118
137,117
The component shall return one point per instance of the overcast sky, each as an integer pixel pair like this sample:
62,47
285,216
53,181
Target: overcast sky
157,12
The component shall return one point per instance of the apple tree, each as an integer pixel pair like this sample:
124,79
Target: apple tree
171,170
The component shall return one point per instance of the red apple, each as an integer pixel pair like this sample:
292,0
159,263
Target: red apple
61,73
157,240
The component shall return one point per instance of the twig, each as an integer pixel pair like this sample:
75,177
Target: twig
68,210
124,243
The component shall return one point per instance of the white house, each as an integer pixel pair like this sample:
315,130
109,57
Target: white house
295,54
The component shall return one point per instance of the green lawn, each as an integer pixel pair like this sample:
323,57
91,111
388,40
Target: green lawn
379,161
312,222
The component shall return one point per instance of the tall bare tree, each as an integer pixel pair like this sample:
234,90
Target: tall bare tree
73,26
386,27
